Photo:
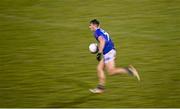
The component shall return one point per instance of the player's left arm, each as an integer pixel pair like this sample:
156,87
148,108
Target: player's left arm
101,48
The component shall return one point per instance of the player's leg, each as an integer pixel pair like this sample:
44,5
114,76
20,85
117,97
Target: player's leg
101,77
109,60
100,72
110,66
112,69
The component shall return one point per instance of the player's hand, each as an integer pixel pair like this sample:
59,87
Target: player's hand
99,56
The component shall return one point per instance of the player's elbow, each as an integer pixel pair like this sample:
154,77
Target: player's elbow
101,40
102,43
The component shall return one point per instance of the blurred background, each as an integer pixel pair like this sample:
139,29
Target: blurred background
45,62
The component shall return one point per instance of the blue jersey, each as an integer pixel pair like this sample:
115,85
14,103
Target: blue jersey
109,45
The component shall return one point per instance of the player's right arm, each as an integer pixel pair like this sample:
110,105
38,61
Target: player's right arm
101,48
101,44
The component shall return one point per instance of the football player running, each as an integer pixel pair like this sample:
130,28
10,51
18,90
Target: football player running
106,57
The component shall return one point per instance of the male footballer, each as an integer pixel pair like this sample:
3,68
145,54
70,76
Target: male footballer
106,57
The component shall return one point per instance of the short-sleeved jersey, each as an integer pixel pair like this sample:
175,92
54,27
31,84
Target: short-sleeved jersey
109,45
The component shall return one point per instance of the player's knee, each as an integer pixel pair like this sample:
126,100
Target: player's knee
110,71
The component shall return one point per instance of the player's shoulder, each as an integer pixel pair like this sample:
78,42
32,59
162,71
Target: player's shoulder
99,31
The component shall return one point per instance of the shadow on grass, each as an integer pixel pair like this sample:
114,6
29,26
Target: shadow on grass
73,103
76,101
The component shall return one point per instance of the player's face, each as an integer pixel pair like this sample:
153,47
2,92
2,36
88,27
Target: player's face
92,27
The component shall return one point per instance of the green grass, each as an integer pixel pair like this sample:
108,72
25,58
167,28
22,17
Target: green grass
45,62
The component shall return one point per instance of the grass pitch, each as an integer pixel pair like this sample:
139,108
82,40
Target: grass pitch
45,62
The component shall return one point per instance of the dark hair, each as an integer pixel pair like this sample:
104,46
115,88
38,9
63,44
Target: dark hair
94,21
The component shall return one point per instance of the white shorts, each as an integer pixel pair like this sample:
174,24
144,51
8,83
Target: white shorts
111,55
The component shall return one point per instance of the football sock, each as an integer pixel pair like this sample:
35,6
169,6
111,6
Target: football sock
100,87
129,71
